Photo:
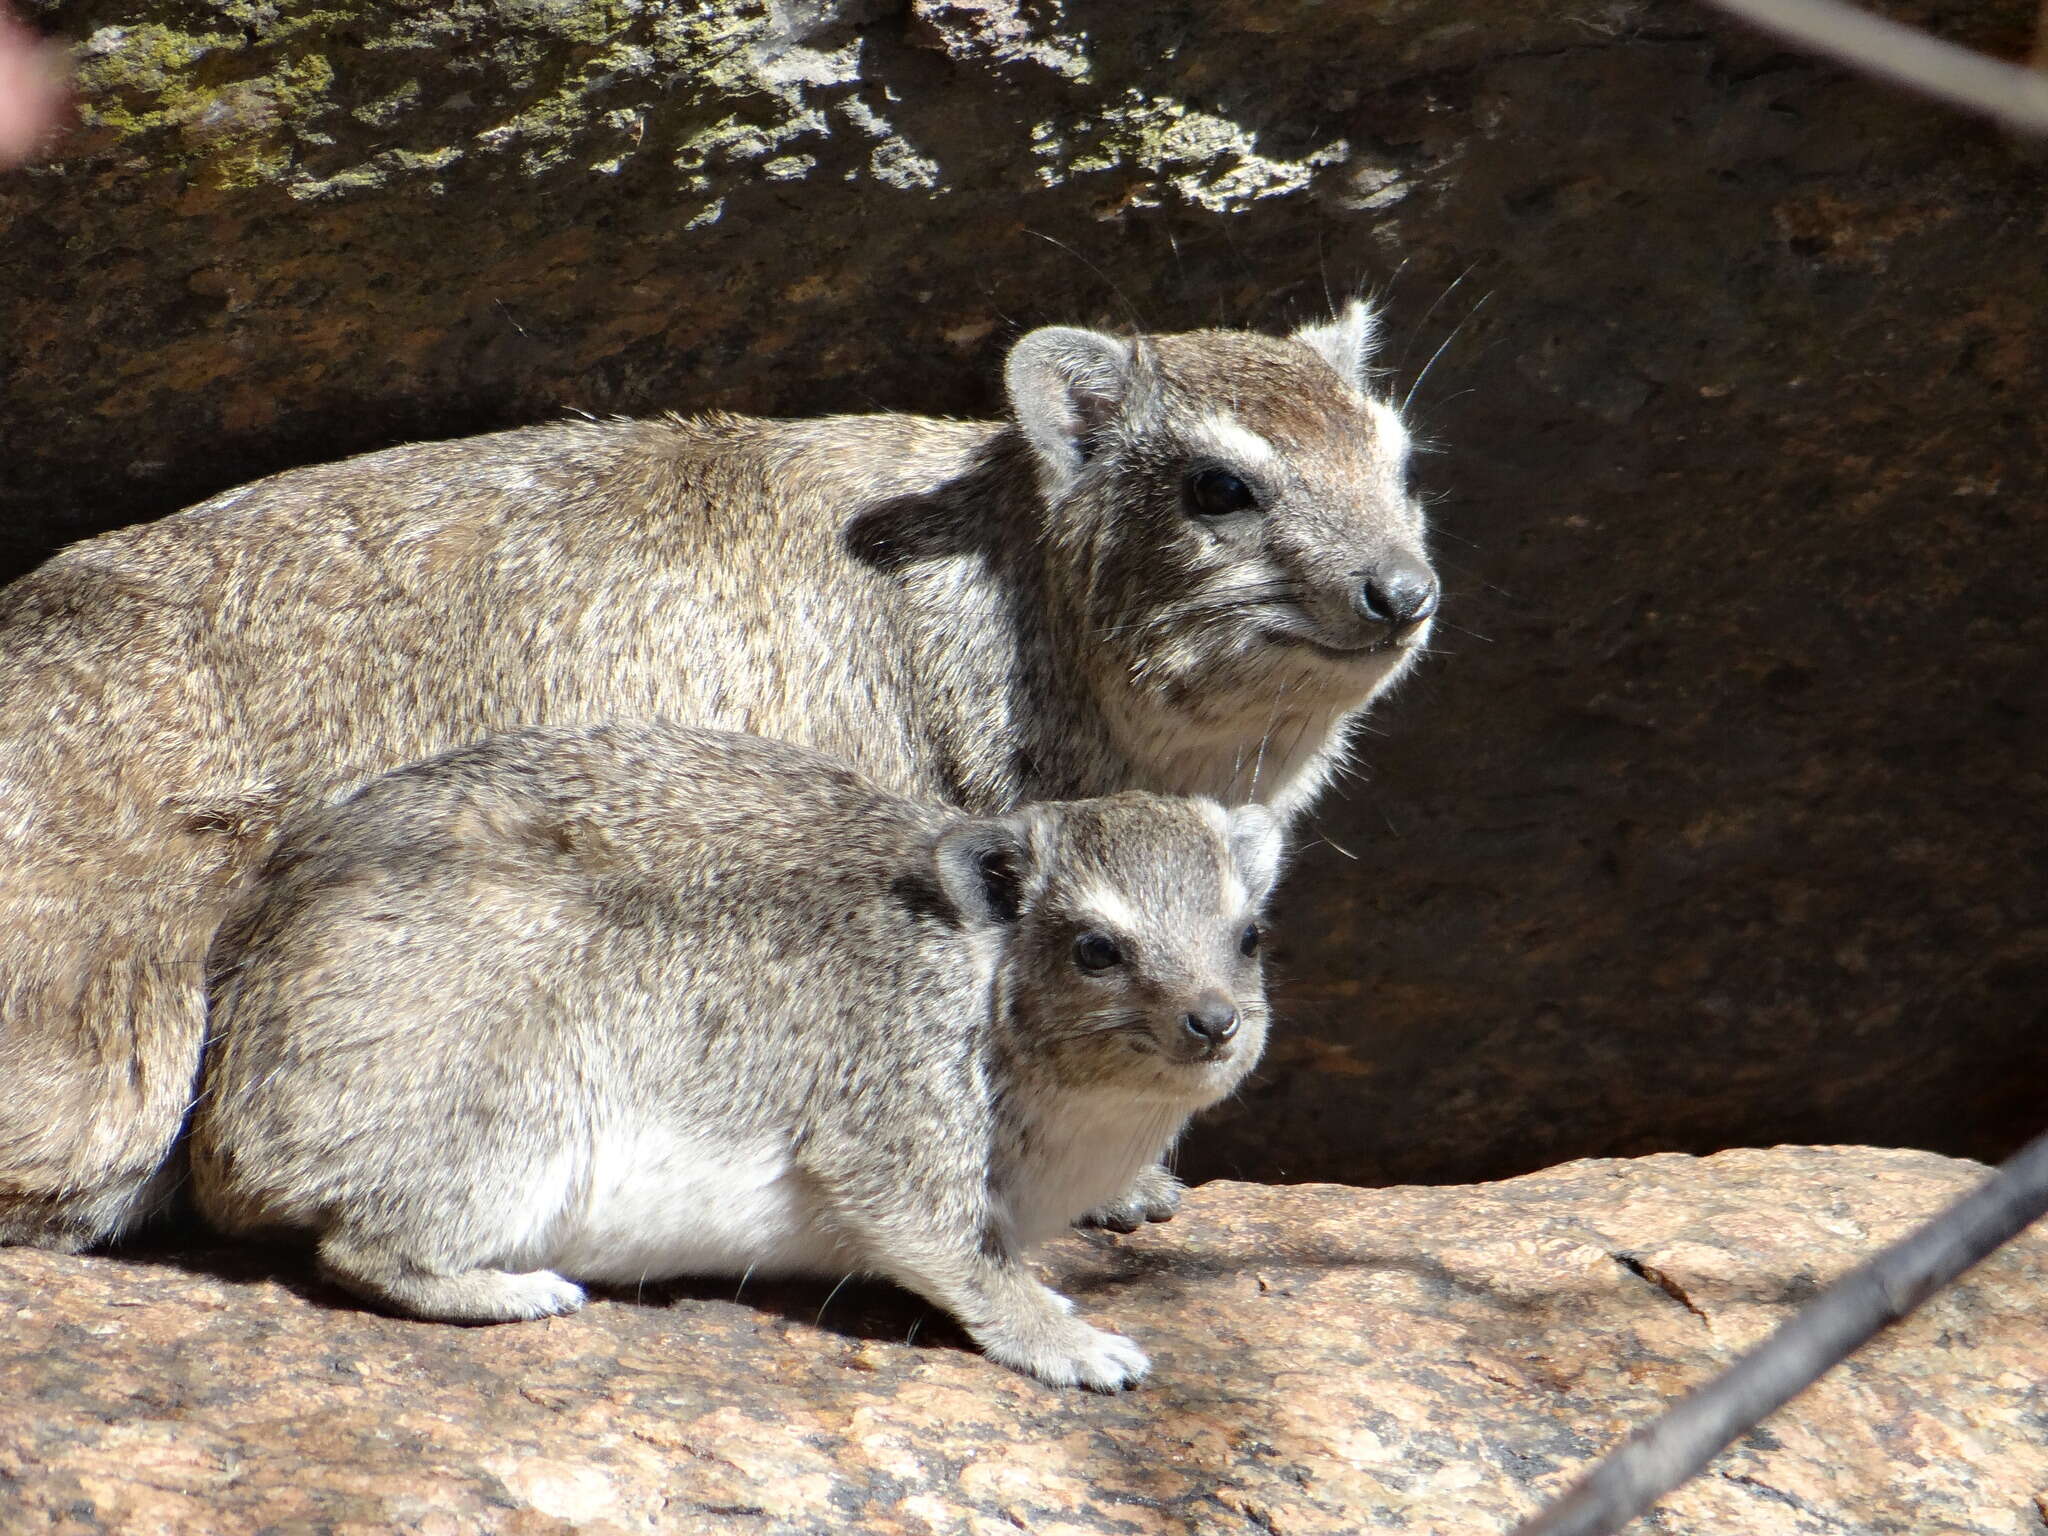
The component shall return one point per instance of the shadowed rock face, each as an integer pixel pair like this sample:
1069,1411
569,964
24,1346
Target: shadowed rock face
1327,1359
1719,820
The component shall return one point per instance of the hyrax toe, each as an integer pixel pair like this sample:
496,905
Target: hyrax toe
1072,1354
1153,1196
1109,1362
1117,1216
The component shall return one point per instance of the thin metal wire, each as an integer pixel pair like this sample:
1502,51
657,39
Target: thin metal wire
1671,1449
2011,93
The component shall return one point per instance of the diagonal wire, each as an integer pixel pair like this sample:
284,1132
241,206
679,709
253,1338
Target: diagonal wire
1672,1448
2013,94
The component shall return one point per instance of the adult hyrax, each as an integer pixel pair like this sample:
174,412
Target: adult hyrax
636,1001
1183,564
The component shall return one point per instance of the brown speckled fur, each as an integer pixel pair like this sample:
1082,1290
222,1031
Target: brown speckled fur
973,613
643,1000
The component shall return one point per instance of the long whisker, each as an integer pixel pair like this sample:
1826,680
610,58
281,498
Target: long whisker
1105,1020
1434,306
1461,629
1303,724
830,1294
1265,737
1472,576
1212,606
1439,352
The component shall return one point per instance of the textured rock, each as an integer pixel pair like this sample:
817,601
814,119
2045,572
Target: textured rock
1326,1359
1721,817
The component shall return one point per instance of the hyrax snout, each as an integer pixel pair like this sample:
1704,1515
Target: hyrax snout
614,1003
1243,544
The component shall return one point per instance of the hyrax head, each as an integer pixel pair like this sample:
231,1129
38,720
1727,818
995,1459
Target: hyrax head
1130,937
1235,510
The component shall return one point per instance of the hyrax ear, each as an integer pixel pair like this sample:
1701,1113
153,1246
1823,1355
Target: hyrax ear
983,867
1257,844
1066,385
1346,343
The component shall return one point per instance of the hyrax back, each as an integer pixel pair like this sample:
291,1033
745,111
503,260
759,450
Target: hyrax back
1182,564
628,1002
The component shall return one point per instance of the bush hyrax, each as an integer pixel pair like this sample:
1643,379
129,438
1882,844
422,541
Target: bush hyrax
1184,564
637,1001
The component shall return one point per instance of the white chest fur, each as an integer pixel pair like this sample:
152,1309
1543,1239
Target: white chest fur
1284,767
1081,1152
649,1203
645,1202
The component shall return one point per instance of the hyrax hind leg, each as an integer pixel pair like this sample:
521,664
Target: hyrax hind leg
99,1053
80,1218
384,1271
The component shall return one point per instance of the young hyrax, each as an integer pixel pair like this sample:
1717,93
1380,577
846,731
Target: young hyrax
1181,564
625,1002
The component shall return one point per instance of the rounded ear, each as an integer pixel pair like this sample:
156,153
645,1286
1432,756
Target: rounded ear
1347,342
983,868
1257,844
1065,386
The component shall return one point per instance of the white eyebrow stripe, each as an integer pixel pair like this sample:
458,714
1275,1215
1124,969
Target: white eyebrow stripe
1235,897
1238,444
1105,906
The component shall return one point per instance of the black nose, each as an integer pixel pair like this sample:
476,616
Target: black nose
1399,592
1213,1019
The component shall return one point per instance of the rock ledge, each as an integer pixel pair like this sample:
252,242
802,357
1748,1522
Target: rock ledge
1326,1359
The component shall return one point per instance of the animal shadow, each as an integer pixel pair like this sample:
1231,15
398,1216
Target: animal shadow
855,1308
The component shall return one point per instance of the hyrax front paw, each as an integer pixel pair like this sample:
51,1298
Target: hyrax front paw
1153,1196
1066,1352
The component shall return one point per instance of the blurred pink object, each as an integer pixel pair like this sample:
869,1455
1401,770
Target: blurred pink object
33,91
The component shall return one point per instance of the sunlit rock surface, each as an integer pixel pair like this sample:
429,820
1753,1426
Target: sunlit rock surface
1717,818
1326,1359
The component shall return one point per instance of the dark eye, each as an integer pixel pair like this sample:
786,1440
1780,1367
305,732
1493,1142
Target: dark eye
1217,493
1248,941
1095,951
